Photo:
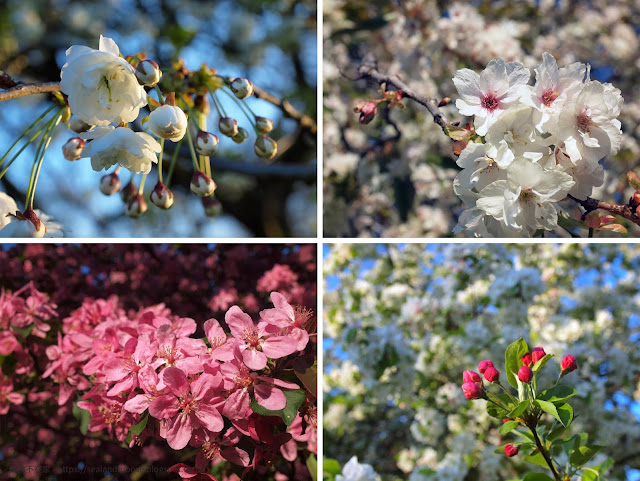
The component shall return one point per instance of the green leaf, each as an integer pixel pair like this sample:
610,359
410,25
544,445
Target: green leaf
566,414
83,416
583,454
548,408
458,133
512,357
508,427
557,432
557,394
518,411
312,466
497,412
331,467
537,459
537,477
525,435
295,398
538,365
310,379
138,428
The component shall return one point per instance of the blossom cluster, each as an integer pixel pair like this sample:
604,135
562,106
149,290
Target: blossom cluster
241,397
533,145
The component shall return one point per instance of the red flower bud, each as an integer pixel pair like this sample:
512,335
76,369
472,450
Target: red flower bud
527,360
471,390
482,367
491,374
525,374
471,376
506,420
511,450
568,364
537,354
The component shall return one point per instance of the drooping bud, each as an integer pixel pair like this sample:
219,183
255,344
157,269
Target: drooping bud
367,109
206,143
136,206
110,184
471,376
242,88
491,374
568,364
202,184
228,126
129,192
471,390
24,224
148,73
168,122
241,136
78,125
482,367
265,147
511,450
161,196
537,354
264,125
527,360
212,206
525,374
72,149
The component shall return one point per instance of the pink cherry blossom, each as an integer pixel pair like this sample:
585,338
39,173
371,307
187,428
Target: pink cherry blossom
7,394
284,315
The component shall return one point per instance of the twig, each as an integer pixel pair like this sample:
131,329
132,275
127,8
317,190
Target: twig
625,211
290,111
369,70
544,452
22,90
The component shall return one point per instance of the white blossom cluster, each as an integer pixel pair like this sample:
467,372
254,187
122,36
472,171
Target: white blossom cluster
542,142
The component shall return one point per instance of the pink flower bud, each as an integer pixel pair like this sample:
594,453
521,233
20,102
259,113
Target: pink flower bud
506,420
202,184
161,196
242,88
527,360
568,364
511,450
212,206
367,112
525,374
129,192
206,143
72,149
471,376
491,374
471,390
110,184
148,73
537,354
136,206
228,126
482,367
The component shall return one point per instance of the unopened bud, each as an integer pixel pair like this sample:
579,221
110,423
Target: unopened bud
444,101
568,364
241,136
265,147
264,125
24,224
202,184
471,376
638,211
129,192
110,184
206,143
201,104
471,390
537,354
242,88
148,73
593,220
72,149
78,125
228,126
491,374
510,450
525,374
136,206
161,196
168,122
635,200
526,360
482,367
212,206
368,110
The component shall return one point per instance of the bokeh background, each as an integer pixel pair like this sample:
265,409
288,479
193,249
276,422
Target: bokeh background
271,42
394,176
402,322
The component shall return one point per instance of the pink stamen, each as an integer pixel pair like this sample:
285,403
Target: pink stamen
548,97
490,102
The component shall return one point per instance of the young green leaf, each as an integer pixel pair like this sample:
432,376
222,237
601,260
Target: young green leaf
508,427
537,477
557,394
312,466
537,459
538,365
583,454
519,410
137,428
295,398
566,414
548,408
512,356
331,467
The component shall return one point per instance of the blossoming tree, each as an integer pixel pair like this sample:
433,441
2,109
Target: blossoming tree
404,323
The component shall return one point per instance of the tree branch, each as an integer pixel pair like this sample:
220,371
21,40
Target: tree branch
22,90
369,70
290,111
625,211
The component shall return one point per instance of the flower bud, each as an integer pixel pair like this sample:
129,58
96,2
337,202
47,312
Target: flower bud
168,122
78,125
537,354
511,450
136,206
212,206
242,88
482,367
367,109
265,147
506,420
148,73
72,149
228,126
201,104
206,143
264,125
129,192
471,376
638,211
202,184
241,136
635,200
471,390
527,360
25,224
491,374
568,364
110,184
525,374
161,196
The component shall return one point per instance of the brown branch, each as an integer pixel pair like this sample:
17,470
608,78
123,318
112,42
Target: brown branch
543,451
625,211
22,90
290,111
369,70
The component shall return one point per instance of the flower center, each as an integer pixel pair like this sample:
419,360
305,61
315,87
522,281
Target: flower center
243,378
216,342
301,315
250,336
188,404
211,449
584,122
548,97
490,102
527,196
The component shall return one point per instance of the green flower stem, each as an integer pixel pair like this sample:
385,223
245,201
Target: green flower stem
174,159
590,231
508,393
244,107
194,157
500,404
26,132
160,160
39,160
544,453
142,181
219,107
159,92
204,160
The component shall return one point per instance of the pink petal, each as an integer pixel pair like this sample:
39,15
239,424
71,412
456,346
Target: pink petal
212,329
278,382
275,317
147,378
179,433
137,404
237,404
165,406
289,450
127,384
66,391
176,380
205,383
210,418
15,398
238,321
190,365
226,352
269,397
236,456
185,471
114,370
253,359
279,346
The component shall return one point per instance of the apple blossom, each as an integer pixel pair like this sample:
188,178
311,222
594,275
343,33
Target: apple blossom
510,450
161,196
483,365
148,73
471,376
472,390
110,184
202,184
537,353
491,374
525,374
568,364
